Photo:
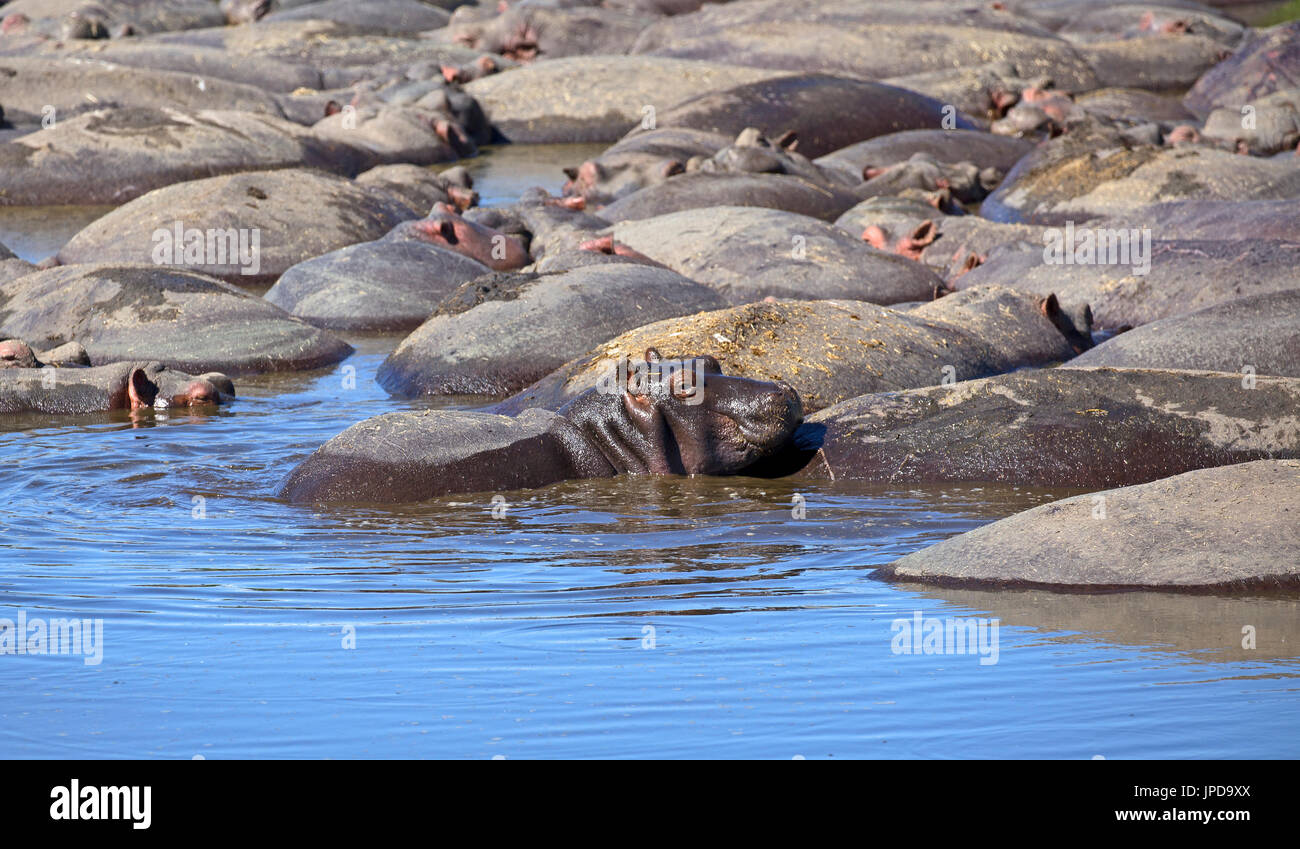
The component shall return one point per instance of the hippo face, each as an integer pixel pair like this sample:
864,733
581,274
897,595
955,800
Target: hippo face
445,227
16,354
686,417
160,389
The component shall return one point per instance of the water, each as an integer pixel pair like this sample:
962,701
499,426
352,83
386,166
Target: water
624,618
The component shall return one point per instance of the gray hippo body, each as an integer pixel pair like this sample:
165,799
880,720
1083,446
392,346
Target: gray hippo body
1259,334
1093,171
296,214
1183,276
655,420
120,386
1266,61
825,112
596,98
500,332
833,350
785,192
188,321
749,253
1233,527
1064,427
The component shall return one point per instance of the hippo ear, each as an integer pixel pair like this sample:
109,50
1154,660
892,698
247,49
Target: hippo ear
447,230
788,140
139,390
652,355
711,364
571,173
1050,307
925,233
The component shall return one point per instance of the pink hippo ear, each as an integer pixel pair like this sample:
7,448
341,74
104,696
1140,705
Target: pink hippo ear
140,391
1050,307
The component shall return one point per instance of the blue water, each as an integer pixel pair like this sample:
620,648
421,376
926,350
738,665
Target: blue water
635,617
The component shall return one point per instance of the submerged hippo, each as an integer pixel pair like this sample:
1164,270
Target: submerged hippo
120,386
656,417
445,227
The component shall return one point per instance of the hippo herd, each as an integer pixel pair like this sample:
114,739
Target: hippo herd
1031,242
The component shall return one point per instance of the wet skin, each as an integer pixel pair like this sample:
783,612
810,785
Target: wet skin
445,227
688,418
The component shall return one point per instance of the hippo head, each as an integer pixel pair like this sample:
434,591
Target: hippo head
154,386
1075,323
686,416
14,353
445,227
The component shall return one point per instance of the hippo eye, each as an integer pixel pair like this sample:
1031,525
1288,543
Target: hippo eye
686,384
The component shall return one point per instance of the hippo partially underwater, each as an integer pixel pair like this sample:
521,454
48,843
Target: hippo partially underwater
30,383
656,417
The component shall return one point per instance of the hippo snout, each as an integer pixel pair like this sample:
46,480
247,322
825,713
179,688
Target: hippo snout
776,414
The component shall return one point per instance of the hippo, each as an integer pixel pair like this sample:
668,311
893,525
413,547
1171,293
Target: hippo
660,418
1201,529
754,153
749,253
867,41
187,321
686,192
420,188
271,75
86,19
120,386
389,16
1266,60
294,214
500,332
541,223
1160,279
1229,220
986,91
825,112
1170,64
390,133
28,85
15,353
833,350
446,227
111,156
529,32
980,148
388,285
1093,171
1120,21
1275,126
964,182
1133,104
949,245
1254,334
596,98
639,160
345,54
1062,427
